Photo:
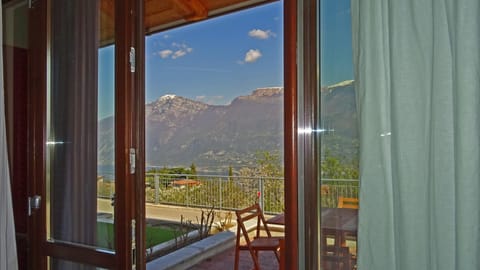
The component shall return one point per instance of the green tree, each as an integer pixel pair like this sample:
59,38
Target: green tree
193,170
269,164
333,168
269,169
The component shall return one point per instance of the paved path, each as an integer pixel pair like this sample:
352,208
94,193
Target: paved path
163,212
226,259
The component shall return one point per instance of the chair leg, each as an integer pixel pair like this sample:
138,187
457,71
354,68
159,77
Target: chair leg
236,258
256,263
237,249
281,255
277,254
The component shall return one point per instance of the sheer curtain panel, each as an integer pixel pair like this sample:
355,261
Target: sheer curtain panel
8,249
417,65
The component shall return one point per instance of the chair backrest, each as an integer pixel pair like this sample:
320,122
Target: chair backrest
253,212
344,202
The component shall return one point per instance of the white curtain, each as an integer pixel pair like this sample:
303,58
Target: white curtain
8,249
417,70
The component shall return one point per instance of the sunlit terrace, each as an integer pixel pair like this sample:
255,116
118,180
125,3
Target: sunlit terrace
186,199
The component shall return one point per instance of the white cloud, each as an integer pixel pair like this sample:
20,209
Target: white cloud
261,34
175,51
180,46
178,54
252,55
165,53
183,50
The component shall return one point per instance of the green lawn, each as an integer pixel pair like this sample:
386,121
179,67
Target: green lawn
154,235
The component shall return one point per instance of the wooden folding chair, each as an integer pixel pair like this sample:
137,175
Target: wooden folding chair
336,256
351,203
259,242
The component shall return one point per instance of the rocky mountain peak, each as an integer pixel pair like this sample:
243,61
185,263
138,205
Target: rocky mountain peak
263,94
167,97
175,106
268,92
338,85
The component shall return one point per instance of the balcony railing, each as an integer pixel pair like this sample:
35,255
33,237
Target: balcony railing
219,192
332,189
228,192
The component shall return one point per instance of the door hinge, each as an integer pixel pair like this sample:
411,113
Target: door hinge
132,59
31,3
34,203
133,157
134,246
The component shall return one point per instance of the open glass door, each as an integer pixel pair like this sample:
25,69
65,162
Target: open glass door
79,197
85,144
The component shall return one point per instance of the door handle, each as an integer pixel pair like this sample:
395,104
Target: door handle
34,203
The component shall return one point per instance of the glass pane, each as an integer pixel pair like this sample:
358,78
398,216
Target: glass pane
339,138
57,264
80,118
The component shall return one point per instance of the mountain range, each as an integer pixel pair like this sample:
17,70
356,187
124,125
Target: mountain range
181,131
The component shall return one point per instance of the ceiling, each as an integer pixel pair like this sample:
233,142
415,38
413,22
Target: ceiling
165,14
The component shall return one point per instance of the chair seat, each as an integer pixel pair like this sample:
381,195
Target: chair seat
265,243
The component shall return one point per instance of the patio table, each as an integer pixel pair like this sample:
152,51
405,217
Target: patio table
342,219
338,223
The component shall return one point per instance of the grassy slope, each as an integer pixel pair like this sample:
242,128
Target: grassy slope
154,235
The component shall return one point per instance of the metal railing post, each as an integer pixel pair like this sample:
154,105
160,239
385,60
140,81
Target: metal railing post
260,189
187,195
112,189
156,180
221,192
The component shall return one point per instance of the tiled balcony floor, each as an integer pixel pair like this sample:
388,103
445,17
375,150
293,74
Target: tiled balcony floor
226,259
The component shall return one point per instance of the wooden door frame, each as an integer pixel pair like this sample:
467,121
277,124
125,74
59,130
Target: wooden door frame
128,128
290,126
36,129
311,140
139,135
301,148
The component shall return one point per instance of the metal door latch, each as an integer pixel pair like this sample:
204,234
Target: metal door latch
132,59
133,158
34,203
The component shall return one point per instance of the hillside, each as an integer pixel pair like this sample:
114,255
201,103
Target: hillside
180,131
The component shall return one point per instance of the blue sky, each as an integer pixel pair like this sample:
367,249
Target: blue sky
216,60
336,42
213,65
